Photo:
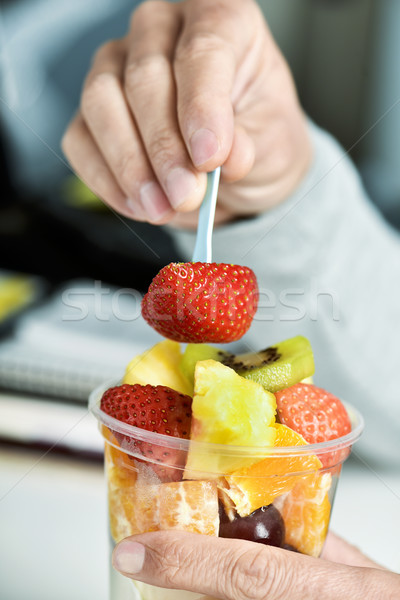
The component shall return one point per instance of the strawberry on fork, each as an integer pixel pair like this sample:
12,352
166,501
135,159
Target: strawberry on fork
201,302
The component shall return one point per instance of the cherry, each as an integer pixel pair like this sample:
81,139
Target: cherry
289,547
264,525
223,517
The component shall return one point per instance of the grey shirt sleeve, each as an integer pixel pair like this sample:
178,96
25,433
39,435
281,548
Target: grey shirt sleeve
328,267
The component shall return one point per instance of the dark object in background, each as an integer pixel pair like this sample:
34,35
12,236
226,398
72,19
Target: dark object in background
7,194
61,242
41,232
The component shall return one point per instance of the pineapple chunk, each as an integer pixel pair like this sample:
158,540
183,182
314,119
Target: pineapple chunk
159,366
227,409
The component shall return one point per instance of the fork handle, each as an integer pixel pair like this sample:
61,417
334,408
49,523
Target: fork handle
203,247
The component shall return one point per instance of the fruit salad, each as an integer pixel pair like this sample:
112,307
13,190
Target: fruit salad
202,440
237,446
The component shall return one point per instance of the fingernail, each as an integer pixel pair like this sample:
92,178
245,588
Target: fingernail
180,185
203,146
133,208
128,557
154,201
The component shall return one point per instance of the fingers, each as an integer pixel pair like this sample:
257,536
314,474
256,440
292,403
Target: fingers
156,109
338,550
187,561
241,157
192,87
231,569
114,130
151,93
213,39
103,147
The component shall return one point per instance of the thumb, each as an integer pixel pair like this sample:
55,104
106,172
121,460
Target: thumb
222,568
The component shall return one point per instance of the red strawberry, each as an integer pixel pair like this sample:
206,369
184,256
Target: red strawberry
201,302
316,414
154,408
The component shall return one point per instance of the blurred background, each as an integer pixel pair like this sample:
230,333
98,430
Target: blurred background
55,236
344,56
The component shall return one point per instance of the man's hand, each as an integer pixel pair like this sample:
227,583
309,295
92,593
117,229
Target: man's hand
192,86
242,570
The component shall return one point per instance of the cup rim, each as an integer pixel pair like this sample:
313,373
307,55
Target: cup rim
167,441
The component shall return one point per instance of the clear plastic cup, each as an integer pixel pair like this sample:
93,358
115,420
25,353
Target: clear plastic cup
227,496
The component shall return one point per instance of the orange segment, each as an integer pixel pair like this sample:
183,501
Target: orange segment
306,512
118,464
132,494
133,509
119,473
138,502
229,505
190,506
132,512
258,485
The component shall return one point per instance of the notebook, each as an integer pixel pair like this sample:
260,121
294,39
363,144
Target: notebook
85,334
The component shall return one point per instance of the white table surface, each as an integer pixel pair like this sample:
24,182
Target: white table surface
53,536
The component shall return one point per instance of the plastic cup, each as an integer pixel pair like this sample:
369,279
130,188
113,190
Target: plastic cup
146,495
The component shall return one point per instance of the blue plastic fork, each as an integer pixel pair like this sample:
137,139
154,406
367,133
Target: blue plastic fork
203,247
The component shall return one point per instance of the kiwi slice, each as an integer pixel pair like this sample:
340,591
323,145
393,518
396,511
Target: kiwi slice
275,368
